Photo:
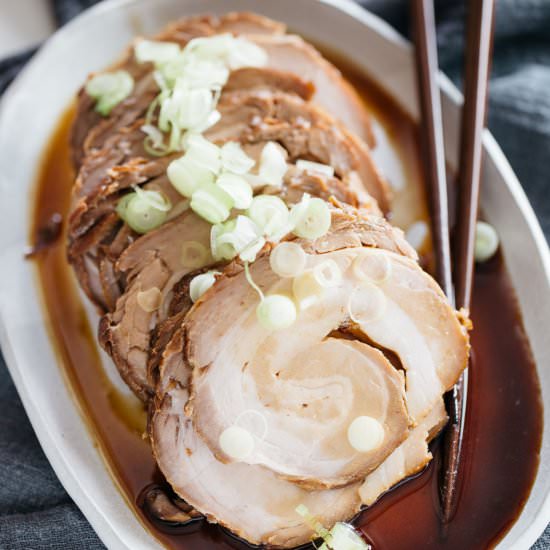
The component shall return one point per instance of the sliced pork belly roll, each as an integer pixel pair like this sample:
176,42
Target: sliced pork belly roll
251,117
304,132
297,392
310,387
332,92
251,501
153,264
146,89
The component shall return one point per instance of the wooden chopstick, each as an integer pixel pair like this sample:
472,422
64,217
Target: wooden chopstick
477,63
433,148
479,44
477,67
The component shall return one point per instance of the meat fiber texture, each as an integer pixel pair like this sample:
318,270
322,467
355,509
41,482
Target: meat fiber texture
383,342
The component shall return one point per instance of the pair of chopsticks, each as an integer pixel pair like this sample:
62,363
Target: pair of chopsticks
477,65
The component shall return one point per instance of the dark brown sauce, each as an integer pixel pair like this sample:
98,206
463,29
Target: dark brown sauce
504,421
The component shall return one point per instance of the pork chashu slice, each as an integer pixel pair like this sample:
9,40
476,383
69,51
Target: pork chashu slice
123,162
350,227
310,387
306,131
145,90
332,91
251,501
214,487
155,262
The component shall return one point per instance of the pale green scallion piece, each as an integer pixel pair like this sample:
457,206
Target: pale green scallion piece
143,211
109,89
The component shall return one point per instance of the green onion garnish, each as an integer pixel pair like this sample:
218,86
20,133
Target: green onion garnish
109,89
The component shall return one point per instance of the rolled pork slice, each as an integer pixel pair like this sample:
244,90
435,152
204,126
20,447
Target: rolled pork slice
145,88
155,262
159,259
98,237
332,91
251,501
309,387
305,130
350,228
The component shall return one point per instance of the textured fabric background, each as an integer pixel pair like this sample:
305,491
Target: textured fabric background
35,512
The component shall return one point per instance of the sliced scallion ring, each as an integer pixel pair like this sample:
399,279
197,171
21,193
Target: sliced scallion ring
343,536
236,442
201,283
307,289
212,119
365,434
486,243
367,303
109,89
234,159
154,198
194,107
229,239
149,300
155,135
271,215
168,114
171,71
328,274
204,73
155,51
276,312
310,218
273,165
154,141
187,175
141,216
122,205
237,188
288,259
244,53
194,255
222,251
203,152
209,47
371,265
211,203
249,252
313,522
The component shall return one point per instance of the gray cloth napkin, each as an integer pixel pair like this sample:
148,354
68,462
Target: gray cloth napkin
35,511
